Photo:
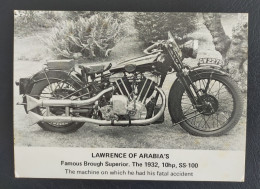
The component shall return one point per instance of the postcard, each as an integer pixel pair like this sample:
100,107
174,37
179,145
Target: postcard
130,95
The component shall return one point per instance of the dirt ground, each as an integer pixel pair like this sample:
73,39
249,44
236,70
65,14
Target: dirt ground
29,56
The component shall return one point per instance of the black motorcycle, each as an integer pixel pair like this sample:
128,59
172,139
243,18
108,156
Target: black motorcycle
204,100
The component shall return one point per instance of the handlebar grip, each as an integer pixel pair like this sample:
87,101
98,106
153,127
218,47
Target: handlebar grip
108,67
146,51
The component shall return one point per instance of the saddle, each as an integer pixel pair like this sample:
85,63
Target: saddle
93,68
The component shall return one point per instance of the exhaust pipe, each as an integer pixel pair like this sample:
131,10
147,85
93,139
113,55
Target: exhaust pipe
35,118
33,102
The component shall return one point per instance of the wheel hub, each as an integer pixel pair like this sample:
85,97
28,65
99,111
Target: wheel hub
208,104
60,93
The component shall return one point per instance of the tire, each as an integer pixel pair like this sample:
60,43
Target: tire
63,128
176,105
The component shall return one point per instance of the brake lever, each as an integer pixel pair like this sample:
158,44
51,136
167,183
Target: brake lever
157,44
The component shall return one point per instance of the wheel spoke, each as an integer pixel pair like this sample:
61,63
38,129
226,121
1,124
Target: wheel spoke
212,86
187,110
206,122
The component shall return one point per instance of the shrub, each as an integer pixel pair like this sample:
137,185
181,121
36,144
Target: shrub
86,38
75,15
154,26
27,22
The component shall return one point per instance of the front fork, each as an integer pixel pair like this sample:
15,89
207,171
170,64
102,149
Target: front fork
186,82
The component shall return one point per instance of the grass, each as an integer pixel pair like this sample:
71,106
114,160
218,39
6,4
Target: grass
29,56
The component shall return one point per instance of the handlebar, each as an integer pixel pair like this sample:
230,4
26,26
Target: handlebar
146,51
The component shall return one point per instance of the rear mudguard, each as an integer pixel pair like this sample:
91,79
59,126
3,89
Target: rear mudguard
26,84
51,74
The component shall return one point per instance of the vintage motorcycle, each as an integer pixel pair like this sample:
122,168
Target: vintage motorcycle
204,100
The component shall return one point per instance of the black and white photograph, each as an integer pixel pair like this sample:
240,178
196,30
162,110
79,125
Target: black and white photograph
131,80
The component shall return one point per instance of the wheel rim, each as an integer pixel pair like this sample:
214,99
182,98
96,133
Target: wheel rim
200,118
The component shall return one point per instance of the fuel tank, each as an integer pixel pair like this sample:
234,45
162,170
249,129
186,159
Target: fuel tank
138,61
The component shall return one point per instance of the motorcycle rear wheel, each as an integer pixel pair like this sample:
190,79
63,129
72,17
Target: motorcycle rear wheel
43,89
213,121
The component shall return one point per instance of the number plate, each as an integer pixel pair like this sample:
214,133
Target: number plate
214,61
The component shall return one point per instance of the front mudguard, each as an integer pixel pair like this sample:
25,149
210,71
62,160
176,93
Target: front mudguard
200,70
215,69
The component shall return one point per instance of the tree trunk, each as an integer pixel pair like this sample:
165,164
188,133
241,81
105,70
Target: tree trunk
221,41
233,51
237,55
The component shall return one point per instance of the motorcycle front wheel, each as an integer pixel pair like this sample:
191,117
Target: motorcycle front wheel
219,110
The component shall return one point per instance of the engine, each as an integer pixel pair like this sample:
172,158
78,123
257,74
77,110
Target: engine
129,99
